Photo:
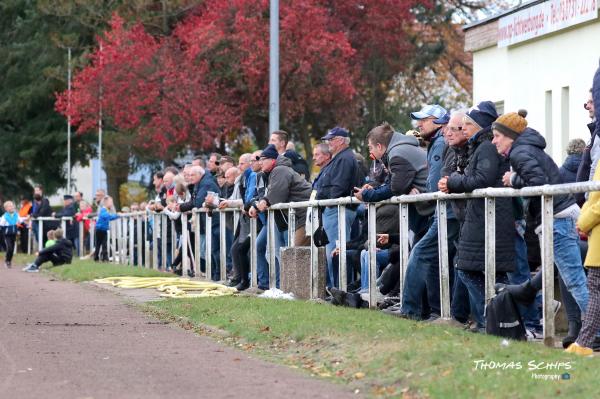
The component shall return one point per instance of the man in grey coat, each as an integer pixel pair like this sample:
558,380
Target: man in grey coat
285,185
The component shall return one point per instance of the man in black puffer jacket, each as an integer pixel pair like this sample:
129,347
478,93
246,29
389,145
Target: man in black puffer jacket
485,168
531,166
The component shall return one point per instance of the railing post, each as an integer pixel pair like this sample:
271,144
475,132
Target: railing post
196,225
80,232
113,241
92,235
490,248
372,248
223,245
291,226
341,245
271,248
403,248
208,252
443,260
253,252
63,225
40,235
173,239
131,240
122,222
548,269
314,258
155,229
163,240
29,238
185,262
139,228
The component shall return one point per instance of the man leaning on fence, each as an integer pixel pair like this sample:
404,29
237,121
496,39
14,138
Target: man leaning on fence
337,181
203,183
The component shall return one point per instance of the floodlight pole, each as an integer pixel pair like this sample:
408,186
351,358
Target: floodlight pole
274,67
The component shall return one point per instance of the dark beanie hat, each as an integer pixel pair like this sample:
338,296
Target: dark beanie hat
269,152
484,114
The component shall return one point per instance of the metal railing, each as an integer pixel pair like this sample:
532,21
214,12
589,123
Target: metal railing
131,242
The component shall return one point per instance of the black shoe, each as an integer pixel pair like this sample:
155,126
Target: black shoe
387,303
574,328
233,283
338,297
596,344
191,273
523,293
354,286
242,285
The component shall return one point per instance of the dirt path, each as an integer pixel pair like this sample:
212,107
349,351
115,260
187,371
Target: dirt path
65,340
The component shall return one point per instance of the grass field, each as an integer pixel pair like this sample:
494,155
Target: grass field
372,353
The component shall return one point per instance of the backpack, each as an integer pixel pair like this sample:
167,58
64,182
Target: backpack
502,317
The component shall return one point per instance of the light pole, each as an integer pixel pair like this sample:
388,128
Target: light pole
69,123
274,67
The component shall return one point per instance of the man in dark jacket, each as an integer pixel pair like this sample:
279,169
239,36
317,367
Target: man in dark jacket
59,253
531,166
69,210
485,168
337,181
203,183
591,153
280,140
568,170
40,208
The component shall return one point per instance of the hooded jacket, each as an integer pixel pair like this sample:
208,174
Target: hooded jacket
406,163
485,168
568,170
63,249
533,167
286,185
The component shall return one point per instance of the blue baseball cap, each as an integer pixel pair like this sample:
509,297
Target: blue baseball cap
336,132
443,120
428,111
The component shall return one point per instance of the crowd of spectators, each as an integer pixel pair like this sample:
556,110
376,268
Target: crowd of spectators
451,152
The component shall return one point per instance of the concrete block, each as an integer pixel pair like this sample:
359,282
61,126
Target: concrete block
295,272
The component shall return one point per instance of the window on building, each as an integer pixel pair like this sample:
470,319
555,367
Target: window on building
564,119
548,127
499,107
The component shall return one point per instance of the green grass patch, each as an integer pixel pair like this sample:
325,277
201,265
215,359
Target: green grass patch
384,356
88,270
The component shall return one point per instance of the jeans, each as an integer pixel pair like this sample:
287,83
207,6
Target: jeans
228,244
567,258
382,258
262,267
460,306
423,259
521,274
330,224
475,283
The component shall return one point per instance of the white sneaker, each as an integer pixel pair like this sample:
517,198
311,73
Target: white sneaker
32,268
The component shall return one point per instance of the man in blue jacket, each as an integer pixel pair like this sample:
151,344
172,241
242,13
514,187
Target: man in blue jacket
203,183
337,181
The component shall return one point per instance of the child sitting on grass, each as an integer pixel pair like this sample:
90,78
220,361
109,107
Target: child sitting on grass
59,253
51,238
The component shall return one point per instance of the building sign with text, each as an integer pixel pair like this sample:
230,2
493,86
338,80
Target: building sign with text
541,19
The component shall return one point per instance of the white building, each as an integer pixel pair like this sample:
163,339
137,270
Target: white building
540,56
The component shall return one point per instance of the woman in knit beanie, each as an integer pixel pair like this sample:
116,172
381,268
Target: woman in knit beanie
531,166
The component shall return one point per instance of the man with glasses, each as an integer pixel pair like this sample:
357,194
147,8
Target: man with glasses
591,154
337,181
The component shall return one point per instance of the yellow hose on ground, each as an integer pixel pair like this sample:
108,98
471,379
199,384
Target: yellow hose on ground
171,287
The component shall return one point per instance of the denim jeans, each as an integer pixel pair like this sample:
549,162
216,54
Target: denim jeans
522,274
475,283
422,259
382,258
330,224
262,267
567,258
460,306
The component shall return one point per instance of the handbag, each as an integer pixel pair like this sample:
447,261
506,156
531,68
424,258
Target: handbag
320,238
